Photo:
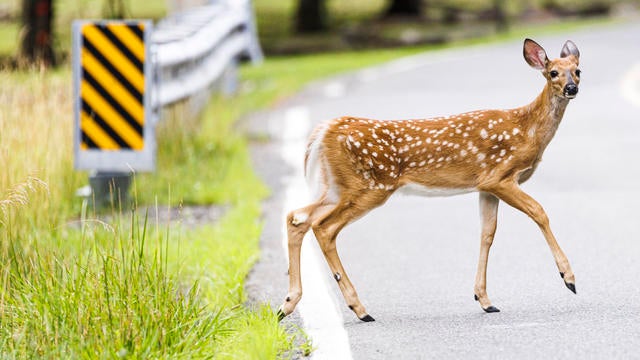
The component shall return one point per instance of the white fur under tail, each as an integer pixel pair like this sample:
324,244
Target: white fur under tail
317,173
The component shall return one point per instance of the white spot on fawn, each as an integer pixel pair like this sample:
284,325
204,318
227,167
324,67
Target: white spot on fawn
483,134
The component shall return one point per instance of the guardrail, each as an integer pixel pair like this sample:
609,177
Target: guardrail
198,48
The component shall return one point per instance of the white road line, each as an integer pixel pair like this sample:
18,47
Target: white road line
322,319
630,85
334,89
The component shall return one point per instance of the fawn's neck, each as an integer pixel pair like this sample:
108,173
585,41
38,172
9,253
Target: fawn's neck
541,118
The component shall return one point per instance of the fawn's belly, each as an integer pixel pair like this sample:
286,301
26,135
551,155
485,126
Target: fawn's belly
422,190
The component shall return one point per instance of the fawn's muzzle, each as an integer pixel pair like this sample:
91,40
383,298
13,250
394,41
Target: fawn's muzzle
570,90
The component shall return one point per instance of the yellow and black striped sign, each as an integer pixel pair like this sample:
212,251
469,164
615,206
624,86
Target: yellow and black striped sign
112,86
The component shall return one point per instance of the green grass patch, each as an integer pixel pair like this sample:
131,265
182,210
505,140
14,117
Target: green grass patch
123,288
8,38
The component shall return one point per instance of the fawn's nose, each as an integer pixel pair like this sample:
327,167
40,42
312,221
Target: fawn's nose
571,89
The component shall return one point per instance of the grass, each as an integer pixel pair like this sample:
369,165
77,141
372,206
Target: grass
36,110
8,38
108,290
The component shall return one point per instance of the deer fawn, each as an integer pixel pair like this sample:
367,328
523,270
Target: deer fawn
356,164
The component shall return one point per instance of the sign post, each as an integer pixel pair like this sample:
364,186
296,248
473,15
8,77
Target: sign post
113,132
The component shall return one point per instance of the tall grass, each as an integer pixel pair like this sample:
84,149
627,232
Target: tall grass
36,144
123,290
113,297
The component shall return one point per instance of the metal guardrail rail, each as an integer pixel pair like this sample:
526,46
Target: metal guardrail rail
194,49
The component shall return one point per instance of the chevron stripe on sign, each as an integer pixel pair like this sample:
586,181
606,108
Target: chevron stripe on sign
112,86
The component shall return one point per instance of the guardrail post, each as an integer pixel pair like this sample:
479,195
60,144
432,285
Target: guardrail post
229,81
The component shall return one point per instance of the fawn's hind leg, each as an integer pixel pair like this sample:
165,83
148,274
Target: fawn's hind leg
489,219
298,223
326,230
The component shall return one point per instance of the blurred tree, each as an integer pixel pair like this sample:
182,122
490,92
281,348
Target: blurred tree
411,8
114,9
500,13
36,34
311,16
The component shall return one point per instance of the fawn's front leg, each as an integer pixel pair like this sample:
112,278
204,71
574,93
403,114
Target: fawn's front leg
510,192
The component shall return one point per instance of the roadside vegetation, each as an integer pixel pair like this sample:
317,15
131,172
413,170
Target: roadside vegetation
75,283
375,24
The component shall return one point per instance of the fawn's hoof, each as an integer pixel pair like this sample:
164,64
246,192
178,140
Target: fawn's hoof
280,314
570,286
491,309
367,318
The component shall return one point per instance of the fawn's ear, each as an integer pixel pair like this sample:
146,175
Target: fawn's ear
570,48
534,54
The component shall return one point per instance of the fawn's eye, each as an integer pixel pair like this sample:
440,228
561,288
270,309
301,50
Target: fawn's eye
553,73
578,72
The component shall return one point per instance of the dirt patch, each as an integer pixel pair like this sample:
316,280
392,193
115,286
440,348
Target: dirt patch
190,216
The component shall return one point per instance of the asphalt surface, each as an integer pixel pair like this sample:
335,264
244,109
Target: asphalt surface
413,261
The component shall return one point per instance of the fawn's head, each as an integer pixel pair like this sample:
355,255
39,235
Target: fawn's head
562,74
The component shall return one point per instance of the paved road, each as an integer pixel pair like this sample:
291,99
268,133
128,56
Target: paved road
413,261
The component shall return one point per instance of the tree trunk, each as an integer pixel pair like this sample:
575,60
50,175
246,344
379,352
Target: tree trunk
114,9
404,8
36,40
502,23
311,16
